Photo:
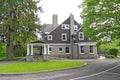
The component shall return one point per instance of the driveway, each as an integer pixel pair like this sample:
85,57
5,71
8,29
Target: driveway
97,69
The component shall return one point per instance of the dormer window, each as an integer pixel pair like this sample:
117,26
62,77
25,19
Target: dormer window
49,37
81,36
65,26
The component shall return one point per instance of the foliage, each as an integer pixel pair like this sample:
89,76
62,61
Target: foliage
105,47
101,19
20,67
113,51
17,22
2,49
110,56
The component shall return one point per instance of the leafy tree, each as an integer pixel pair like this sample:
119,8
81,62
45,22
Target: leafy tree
17,22
101,19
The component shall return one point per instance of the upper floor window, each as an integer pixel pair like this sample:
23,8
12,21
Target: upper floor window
64,37
81,36
49,37
75,27
65,26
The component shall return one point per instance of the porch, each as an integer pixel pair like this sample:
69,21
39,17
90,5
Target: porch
37,51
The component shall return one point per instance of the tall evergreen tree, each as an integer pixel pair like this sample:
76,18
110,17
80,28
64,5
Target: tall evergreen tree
17,21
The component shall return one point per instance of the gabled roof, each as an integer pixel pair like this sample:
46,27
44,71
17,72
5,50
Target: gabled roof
48,28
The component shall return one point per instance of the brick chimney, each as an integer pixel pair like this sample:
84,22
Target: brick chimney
71,24
55,20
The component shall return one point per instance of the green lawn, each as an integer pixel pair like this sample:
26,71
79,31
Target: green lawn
20,67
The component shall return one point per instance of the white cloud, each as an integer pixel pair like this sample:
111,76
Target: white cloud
63,8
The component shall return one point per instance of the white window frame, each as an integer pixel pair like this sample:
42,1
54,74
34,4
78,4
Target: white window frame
50,37
59,49
82,35
80,50
65,36
65,26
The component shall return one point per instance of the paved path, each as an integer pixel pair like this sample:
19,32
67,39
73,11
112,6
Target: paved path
106,69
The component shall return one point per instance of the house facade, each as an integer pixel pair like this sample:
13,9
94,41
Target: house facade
67,40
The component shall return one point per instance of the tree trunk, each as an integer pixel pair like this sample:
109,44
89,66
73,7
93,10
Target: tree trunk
8,47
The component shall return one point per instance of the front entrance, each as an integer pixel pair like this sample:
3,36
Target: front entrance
37,51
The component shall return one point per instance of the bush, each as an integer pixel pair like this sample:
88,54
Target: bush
110,56
113,51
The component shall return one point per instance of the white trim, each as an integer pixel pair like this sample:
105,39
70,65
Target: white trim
65,26
91,53
49,37
65,34
28,49
82,35
87,43
36,44
45,52
59,44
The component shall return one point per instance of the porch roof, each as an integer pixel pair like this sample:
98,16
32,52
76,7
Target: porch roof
38,42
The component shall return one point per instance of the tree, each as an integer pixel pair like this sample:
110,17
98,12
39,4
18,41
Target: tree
101,19
17,21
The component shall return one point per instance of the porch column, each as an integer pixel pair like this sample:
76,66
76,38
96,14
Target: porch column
44,49
31,49
28,49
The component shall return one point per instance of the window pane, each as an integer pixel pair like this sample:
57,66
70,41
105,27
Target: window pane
82,49
49,37
67,49
60,49
50,49
91,49
64,37
81,35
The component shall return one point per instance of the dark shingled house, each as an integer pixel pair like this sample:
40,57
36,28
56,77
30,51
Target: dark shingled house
67,40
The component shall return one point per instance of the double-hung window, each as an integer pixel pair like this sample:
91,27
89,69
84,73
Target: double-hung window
67,50
81,36
91,50
64,36
81,49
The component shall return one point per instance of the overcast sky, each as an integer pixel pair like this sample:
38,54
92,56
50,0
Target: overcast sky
63,8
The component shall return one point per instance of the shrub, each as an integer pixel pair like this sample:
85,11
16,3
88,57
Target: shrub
110,56
113,51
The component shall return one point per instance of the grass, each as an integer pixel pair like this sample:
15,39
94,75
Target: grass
23,67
